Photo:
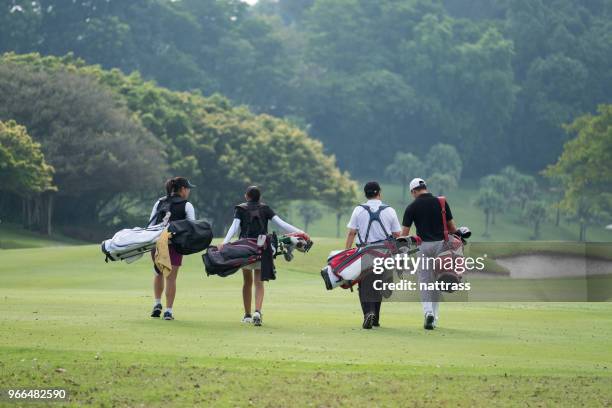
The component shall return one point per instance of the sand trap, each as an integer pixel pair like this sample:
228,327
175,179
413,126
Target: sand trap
538,266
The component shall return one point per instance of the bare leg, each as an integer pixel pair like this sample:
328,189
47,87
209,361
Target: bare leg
247,287
259,290
171,286
158,285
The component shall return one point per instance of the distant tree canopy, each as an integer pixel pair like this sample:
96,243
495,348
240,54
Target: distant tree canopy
108,133
494,78
23,169
585,170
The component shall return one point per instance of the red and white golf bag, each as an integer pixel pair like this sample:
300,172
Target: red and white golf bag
450,263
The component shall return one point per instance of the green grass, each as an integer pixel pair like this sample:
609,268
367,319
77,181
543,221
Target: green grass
65,308
13,236
509,227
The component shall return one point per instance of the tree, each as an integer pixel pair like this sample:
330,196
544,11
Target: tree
488,201
23,168
220,147
585,169
96,146
405,167
534,213
502,186
440,184
309,213
341,197
26,174
444,159
522,186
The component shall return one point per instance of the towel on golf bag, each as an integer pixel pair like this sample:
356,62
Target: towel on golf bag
130,244
235,255
162,261
346,268
189,237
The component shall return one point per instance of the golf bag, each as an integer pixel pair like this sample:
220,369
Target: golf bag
130,244
238,254
445,265
189,237
346,268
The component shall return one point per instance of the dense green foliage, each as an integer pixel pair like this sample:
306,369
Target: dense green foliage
108,134
23,169
585,170
495,78
26,175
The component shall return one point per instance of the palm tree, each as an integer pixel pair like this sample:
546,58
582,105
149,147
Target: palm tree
405,166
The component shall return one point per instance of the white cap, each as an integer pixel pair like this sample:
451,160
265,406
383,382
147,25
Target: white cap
417,182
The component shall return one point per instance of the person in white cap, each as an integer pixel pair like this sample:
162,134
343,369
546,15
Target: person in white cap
425,212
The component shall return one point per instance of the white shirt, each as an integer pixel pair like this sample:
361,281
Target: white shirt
189,212
360,219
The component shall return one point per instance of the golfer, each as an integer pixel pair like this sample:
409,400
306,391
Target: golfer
371,222
425,212
175,202
251,219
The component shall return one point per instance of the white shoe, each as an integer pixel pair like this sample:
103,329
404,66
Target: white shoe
247,319
257,319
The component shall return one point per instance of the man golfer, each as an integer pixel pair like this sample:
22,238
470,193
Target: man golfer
426,213
371,222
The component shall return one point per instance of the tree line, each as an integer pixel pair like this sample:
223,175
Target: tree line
494,78
101,143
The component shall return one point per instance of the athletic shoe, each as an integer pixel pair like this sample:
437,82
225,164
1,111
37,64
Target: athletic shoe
429,323
368,320
376,322
157,309
257,318
247,319
168,315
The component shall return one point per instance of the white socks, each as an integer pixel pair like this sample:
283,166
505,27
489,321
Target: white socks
157,302
169,309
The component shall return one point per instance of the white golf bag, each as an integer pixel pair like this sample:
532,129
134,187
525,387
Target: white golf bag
130,244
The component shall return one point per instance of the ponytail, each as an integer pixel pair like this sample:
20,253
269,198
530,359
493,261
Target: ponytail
170,187
174,185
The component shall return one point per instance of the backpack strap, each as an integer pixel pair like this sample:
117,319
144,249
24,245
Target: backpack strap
442,201
157,211
254,213
374,216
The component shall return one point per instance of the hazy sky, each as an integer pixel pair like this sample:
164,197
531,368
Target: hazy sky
251,2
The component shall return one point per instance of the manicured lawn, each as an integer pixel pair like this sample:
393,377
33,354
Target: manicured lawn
14,236
68,320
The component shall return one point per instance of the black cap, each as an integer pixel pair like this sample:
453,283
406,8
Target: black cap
183,182
371,189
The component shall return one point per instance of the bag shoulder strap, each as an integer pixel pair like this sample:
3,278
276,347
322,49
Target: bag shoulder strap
374,216
255,212
442,201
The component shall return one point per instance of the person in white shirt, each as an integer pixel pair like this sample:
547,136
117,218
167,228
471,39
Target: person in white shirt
371,222
175,202
251,219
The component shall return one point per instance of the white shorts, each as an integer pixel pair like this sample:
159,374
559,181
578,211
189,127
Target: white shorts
253,266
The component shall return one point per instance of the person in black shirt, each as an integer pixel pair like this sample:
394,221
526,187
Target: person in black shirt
425,212
175,202
251,218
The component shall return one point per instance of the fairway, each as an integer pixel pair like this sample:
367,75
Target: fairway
68,320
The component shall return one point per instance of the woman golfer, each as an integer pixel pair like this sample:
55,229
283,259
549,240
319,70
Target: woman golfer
251,218
175,202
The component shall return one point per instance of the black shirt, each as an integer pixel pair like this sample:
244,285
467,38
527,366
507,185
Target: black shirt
426,213
250,227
